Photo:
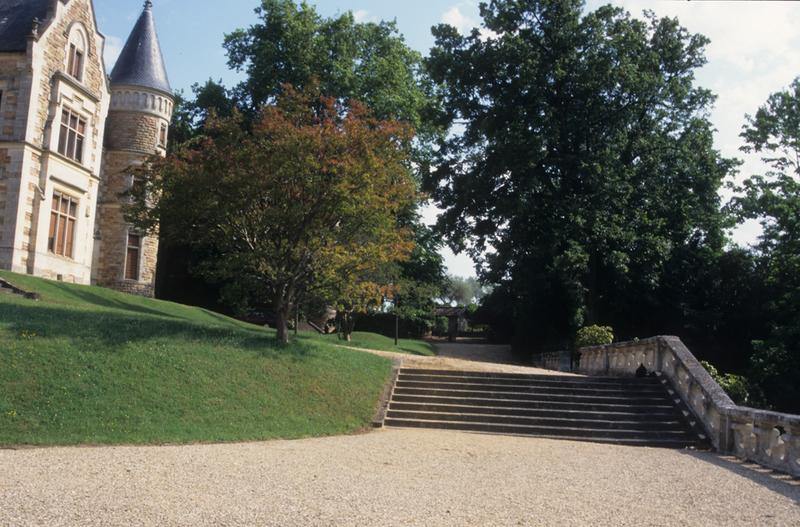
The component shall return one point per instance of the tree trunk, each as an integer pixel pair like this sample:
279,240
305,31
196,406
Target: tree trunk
282,306
282,324
348,323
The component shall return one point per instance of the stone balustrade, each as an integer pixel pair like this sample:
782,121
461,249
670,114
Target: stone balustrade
549,360
769,438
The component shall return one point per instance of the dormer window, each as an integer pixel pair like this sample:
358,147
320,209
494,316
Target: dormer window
75,66
76,54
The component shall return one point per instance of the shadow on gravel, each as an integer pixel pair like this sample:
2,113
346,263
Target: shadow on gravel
775,481
476,351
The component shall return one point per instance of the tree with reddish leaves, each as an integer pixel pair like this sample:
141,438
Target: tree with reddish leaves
305,200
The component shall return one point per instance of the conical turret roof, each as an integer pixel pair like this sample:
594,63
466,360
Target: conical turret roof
141,62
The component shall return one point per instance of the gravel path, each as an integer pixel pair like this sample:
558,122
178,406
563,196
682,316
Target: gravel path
389,478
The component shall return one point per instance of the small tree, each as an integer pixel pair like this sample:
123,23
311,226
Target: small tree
306,199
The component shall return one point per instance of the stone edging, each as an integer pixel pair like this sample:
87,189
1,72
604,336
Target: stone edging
386,397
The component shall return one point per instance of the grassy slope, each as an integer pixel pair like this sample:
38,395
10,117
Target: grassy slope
374,341
89,365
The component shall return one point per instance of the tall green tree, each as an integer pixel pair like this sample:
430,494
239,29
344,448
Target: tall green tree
586,162
370,62
774,199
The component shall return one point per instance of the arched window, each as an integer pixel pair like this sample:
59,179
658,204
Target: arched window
76,53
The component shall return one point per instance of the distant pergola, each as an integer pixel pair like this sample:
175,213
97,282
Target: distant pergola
455,316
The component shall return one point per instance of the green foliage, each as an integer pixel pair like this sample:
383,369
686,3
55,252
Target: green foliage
736,386
463,291
420,279
586,170
93,366
775,372
293,44
774,200
594,336
441,326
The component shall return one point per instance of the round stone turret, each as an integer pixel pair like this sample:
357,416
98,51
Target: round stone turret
137,127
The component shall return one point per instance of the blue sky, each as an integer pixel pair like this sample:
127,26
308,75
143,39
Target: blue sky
755,49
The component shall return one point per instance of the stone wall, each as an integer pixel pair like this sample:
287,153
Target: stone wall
11,157
112,231
133,131
15,83
35,88
50,60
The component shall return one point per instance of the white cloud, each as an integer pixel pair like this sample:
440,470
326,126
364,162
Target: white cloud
112,50
465,23
362,16
457,264
459,20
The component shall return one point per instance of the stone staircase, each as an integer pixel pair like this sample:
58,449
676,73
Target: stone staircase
627,411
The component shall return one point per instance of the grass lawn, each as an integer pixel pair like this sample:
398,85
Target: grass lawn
374,341
90,365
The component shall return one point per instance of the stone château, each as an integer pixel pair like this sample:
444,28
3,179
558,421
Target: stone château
69,135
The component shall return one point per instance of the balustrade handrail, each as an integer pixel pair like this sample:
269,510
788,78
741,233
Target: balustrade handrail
766,437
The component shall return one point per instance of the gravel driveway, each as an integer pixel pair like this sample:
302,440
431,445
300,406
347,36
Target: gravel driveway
389,477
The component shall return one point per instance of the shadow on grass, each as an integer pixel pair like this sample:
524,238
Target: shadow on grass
782,484
88,296
106,331
356,343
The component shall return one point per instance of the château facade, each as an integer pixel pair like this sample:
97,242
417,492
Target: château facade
69,135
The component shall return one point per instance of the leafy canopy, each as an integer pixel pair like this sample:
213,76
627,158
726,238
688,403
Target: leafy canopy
774,199
586,159
368,62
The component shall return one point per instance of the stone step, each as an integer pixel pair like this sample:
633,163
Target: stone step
532,377
670,439
564,382
535,395
576,389
666,413
607,409
531,402
665,425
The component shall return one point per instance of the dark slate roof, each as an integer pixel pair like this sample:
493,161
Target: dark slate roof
16,21
141,62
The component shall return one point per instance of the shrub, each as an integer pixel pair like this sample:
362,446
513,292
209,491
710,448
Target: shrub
736,386
441,326
594,336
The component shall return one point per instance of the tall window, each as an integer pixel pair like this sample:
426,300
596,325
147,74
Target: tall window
132,257
162,136
75,62
63,217
76,53
73,133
